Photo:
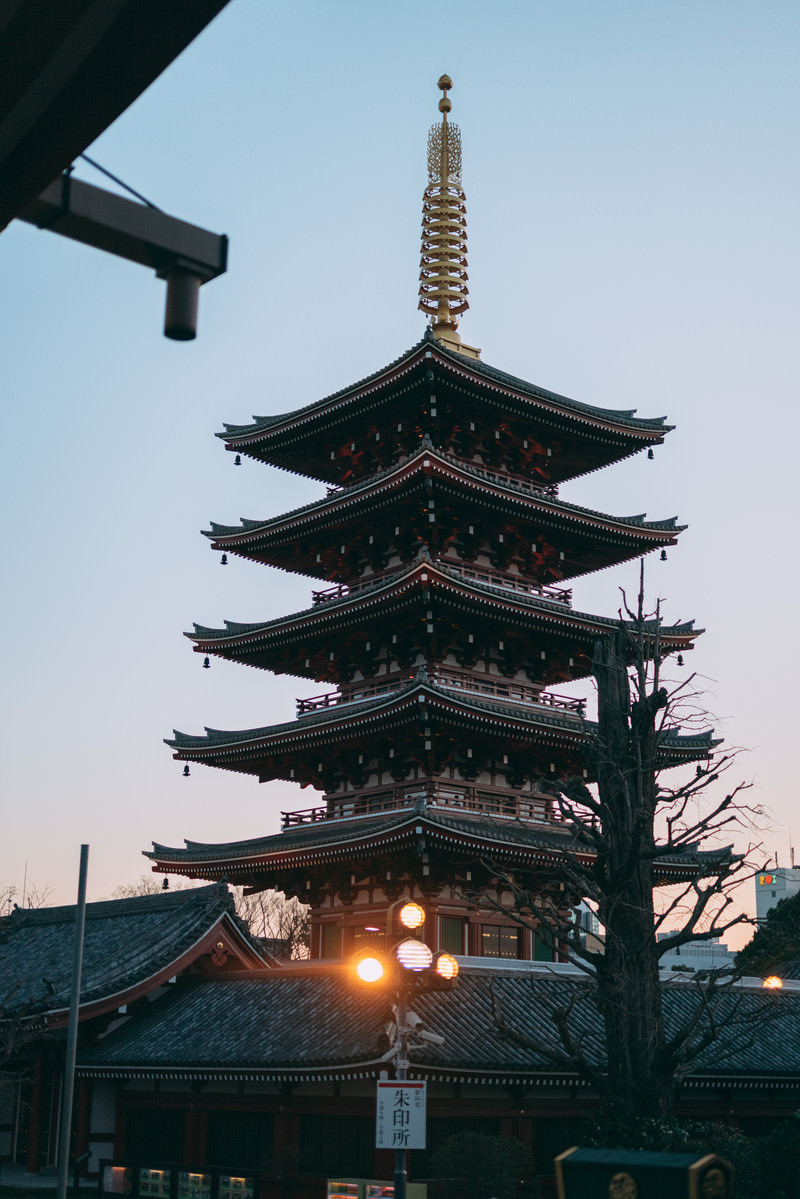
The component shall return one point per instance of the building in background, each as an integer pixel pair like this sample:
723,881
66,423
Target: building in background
698,955
774,885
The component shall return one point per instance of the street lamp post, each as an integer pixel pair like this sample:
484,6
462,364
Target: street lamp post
401,1073
410,963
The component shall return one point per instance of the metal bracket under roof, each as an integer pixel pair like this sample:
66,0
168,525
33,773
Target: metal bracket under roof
183,254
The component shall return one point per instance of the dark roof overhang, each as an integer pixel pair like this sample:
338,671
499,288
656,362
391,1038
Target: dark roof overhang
346,511
257,644
67,71
279,439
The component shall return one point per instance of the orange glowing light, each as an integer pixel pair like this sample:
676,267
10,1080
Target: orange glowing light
370,970
446,966
773,983
412,915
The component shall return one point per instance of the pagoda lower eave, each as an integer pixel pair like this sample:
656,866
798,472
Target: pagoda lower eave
460,848
420,728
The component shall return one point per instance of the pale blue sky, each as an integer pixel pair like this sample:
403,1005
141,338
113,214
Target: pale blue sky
632,183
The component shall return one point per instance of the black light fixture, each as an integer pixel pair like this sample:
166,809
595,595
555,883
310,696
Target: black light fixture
206,664
237,460
223,560
663,555
680,659
650,455
186,771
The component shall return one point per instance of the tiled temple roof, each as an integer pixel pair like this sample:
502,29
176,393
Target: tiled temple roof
369,487
563,404
319,835
332,840
538,718
126,942
387,586
323,1026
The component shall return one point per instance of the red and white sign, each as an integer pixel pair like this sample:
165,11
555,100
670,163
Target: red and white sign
400,1117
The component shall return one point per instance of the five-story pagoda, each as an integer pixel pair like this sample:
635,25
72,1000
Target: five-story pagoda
443,624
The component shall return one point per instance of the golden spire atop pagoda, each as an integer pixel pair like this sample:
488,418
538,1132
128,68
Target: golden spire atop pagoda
443,266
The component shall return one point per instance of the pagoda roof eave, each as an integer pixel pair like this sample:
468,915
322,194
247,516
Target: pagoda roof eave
383,707
332,841
401,706
362,495
621,422
386,590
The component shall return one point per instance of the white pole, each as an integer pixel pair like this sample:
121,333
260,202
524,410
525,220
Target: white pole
72,1030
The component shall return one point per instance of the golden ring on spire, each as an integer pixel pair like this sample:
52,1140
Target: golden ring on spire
443,266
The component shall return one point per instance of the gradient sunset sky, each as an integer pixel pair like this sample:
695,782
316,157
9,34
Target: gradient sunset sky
632,181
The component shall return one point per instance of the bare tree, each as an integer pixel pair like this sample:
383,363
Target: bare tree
149,884
32,896
623,830
282,922
269,915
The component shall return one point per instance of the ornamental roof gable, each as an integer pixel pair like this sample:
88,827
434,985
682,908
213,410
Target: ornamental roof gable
129,944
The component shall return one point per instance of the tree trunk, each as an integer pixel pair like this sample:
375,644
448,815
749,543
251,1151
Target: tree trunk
628,990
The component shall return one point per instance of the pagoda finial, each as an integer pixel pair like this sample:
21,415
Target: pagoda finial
443,266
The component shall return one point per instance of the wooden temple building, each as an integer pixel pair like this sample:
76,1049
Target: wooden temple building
440,646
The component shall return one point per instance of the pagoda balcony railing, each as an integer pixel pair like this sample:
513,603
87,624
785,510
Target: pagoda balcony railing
533,808
454,680
509,582
495,578
340,590
504,478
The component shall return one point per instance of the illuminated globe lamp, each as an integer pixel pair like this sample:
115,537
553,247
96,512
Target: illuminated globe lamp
414,955
412,915
772,983
370,969
446,966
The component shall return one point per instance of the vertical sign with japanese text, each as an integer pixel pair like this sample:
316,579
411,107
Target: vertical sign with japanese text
400,1117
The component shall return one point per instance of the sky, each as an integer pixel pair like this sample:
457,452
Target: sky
632,181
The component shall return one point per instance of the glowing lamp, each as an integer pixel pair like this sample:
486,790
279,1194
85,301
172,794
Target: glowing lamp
446,966
773,983
414,955
370,970
412,915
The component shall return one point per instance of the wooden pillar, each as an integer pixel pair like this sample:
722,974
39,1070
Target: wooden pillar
286,1152
474,939
194,1138
35,1121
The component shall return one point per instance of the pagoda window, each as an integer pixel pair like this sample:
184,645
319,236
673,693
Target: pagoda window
451,934
543,945
365,938
499,942
331,946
